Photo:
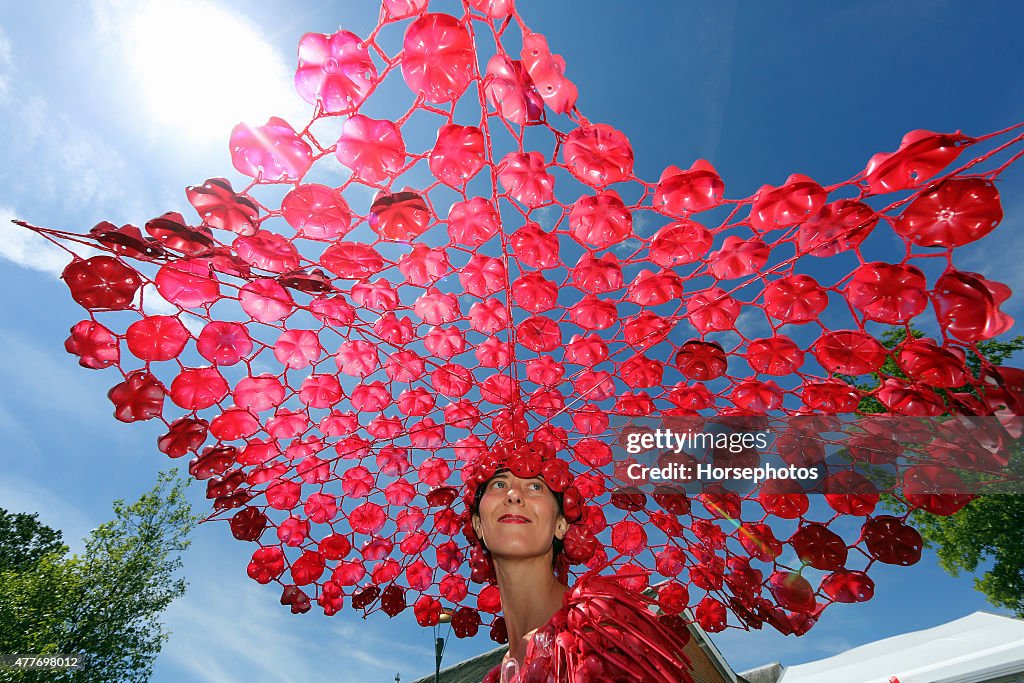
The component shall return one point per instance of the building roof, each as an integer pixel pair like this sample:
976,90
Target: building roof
972,649
768,673
471,670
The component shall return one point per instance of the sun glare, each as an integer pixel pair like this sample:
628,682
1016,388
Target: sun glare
199,69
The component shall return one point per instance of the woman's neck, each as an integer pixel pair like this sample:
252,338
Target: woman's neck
530,595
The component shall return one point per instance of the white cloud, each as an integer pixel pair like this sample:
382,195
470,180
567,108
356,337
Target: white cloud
626,248
37,381
212,644
367,640
24,247
752,323
20,495
5,62
643,223
52,162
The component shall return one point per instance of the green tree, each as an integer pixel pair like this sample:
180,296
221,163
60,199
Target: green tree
24,541
988,529
105,603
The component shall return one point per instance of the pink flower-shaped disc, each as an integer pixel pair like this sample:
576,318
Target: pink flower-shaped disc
738,257
712,310
795,299
494,9
836,227
547,71
95,345
600,221
437,58
156,337
373,149
458,154
680,243
849,352
317,212
511,92
472,222
598,155
335,71
775,356
273,152
934,365
265,300
267,251
220,207
534,247
352,260
188,283
526,179
400,216
697,189
102,283
400,9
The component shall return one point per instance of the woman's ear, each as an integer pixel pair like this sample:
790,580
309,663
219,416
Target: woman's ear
475,519
561,526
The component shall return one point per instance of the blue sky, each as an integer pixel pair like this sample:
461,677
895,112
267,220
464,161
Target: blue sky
111,108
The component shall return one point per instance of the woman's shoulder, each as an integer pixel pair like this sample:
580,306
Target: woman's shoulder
594,587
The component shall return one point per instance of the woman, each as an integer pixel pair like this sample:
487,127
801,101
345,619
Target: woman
598,631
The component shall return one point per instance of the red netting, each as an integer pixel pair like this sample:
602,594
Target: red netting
389,297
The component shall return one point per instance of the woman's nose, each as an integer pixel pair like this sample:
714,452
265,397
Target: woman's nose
513,495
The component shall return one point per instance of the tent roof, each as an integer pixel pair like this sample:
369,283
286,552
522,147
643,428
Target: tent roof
974,648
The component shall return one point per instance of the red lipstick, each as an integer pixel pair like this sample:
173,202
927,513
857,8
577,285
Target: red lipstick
513,519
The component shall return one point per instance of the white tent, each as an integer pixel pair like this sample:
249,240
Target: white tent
978,647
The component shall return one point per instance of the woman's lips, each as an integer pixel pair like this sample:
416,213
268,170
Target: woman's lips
513,519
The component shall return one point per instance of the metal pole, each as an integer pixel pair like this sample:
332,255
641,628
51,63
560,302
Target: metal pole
438,653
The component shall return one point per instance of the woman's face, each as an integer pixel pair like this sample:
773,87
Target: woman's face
518,518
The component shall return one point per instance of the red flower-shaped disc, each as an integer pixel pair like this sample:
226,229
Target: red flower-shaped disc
102,283
920,156
888,293
968,306
952,214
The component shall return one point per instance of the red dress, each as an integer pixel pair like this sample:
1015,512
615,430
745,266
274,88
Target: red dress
603,632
